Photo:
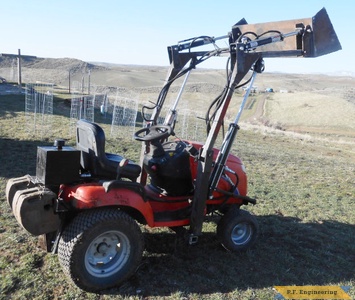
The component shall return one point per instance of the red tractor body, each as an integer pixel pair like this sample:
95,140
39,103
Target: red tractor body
156,208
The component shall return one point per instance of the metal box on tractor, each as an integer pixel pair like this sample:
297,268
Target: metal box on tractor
87,205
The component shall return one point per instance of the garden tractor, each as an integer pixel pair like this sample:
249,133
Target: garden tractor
88,206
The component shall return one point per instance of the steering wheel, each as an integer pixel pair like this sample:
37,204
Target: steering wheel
155,132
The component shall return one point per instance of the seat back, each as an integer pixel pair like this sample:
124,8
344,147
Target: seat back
90,140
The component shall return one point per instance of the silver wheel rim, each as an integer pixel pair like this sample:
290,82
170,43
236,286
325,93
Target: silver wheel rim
107,254
241,233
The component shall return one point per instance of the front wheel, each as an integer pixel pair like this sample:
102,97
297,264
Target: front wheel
237,230
100,249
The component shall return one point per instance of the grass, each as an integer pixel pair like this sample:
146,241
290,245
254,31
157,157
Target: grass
315,111
305,186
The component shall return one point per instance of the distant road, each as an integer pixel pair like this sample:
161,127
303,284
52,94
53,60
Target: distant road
259,111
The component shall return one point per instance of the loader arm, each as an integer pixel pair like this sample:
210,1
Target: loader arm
300,38
248,45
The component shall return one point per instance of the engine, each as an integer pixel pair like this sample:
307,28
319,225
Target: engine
168,166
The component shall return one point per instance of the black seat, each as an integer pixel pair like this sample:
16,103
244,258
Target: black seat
90,140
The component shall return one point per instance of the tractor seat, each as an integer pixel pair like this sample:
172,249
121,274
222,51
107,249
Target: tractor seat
90,140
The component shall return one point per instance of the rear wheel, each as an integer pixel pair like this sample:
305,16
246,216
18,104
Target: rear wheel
100,249
237,230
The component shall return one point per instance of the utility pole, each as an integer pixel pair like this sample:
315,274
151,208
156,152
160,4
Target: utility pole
18,56
19,78
89,79
69,82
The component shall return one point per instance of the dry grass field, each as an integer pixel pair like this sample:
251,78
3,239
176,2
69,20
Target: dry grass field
299,150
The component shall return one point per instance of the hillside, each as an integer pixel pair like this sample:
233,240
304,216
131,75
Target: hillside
306,103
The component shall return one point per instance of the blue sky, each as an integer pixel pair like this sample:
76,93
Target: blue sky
138,31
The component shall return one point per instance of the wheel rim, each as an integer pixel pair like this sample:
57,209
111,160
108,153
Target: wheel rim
107,254
242,233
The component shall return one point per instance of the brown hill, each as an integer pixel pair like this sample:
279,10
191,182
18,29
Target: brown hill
300,102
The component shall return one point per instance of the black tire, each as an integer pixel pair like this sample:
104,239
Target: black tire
100,249
237,230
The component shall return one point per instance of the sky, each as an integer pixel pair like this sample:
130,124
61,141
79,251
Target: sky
139,31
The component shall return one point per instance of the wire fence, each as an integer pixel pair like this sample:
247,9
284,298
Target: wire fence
82,106
190,126
124,114
39,108
111,105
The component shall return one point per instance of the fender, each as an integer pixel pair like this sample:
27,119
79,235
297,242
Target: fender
92,195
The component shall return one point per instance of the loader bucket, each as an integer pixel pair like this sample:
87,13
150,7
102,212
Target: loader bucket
325,40
317,36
